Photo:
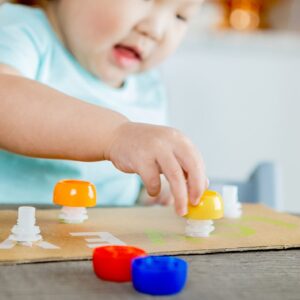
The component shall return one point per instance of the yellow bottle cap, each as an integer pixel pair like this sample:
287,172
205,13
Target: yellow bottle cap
210,207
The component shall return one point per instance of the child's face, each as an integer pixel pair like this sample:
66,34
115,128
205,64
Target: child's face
115,38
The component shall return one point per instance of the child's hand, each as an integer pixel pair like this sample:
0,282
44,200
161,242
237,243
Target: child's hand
164,198
150,150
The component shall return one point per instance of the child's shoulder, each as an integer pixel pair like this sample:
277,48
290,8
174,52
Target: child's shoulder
20,19
18,14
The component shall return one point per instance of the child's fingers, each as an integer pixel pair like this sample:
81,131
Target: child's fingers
168,200
194,167
174,173
150,175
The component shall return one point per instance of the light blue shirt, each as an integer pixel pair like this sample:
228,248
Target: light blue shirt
28,43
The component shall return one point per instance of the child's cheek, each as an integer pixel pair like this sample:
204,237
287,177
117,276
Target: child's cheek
106,29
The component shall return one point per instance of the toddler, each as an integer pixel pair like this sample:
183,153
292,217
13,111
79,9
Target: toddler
80,98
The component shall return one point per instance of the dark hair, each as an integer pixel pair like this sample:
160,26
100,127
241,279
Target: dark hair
30,2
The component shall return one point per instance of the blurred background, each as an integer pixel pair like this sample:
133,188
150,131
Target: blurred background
234,88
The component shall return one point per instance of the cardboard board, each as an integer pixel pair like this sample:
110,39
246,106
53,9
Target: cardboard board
156,229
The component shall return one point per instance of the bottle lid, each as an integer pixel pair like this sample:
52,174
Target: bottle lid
113,263
210,207
74,193
159,275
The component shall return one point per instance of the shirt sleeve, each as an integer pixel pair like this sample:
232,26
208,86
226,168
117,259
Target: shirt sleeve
19,50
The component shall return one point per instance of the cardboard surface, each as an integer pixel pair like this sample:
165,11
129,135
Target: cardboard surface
156,229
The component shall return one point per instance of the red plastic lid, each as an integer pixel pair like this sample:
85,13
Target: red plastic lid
113,263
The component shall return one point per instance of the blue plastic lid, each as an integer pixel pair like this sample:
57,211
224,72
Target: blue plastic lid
159,275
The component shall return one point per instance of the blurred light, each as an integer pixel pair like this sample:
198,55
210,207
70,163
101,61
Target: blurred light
241,19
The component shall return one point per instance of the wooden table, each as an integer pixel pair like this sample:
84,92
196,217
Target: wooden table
249,275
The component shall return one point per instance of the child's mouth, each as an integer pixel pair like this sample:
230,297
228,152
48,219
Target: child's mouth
126,57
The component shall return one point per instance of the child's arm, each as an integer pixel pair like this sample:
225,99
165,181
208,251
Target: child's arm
38,121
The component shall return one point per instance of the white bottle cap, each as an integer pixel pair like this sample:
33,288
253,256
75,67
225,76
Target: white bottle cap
199,228
25,230
26,216
73,215
232,207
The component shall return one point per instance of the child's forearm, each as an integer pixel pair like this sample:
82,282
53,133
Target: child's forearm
38,121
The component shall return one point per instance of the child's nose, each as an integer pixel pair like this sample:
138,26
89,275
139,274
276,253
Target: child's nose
154,26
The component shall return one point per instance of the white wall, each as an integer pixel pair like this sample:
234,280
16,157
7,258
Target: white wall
238,98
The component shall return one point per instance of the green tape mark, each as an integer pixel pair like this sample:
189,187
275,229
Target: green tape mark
270,221
195,240
242,231
159,238
155,236
247,231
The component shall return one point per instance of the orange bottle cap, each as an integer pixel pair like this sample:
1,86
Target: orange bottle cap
74,193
